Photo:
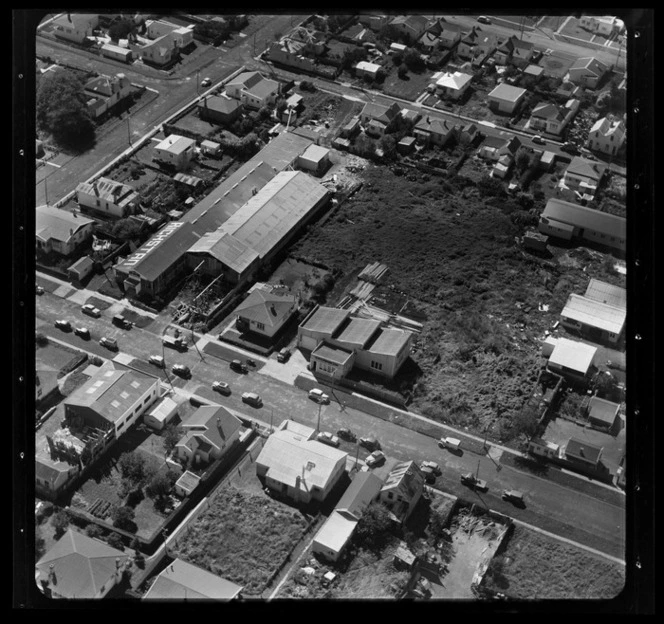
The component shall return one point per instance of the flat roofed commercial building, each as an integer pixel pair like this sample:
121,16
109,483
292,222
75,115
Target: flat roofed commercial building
594,318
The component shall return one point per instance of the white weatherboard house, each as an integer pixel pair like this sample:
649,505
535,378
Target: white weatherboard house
594,319
60,230
453,85
296,465
607,135
572,359
107,197
175,150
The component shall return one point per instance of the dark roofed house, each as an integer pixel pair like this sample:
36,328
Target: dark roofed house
219,110
604,414
402,490
411,26
379,112
586,72
434,130
583,453
80,567
584,174
266,310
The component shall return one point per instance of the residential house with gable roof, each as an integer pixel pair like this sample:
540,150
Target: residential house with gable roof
594,319
434,131
60,230
108,197
411,26
183,581
551,118
513,49
266,310
76,27
79,567
336,532
493,148
253,89
586,72
209,433
584,175
449,34
607,135
573,360
104,92
583,454
402,490
376,117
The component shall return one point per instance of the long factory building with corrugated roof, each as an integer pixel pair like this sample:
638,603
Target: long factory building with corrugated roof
243,223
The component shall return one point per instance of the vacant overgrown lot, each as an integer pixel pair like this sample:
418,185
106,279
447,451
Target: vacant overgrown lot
536,567
242,537
451,249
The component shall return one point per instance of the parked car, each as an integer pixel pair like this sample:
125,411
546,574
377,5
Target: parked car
90,310
83,332
346,434
239,367
251,362
222,387
39,290
157,360
206,82
450,443
122,322
252,399
327,438
538,139
433,466
570,148
483,19
319,396
472,481
63,325
284,355
377,458
109,343
371,444
513,496
429,475
178,343
181,370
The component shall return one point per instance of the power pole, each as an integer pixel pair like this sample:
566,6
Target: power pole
193,338
128,130
318,423
163,357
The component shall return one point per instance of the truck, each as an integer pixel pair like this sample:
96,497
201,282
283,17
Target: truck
450,443
122,322
174,343
473,482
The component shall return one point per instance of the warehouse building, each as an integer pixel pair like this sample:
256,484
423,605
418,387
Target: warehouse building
568,221
593,319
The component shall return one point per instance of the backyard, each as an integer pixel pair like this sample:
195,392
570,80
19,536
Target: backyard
534,566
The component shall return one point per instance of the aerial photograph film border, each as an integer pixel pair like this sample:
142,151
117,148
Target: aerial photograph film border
333,307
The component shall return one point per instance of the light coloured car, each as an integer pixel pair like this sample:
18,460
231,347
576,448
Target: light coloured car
252,399
375,459
157,360
319,396
430,465
538,139
327,438
39,289
90,310
206,82
109,343
63,325
483,19
222,387
83,332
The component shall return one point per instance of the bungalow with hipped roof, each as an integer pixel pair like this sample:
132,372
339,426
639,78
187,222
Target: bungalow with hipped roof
266,310
80,567
253,90
584,175
209,433
182,581
453,85
60,230
435,131
219,109
295,465
586,72
505,98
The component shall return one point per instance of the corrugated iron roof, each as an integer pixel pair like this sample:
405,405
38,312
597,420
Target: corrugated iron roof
574,355
594,313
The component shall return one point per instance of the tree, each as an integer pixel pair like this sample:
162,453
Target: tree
397,59
94,530
161,484
526,421
172,435
126,229
41,340
60,522
388,143
135,471
492,187
414,61
115,540
352,56
373,529
40,544
120,29
523,160
123,518
402,72
61,108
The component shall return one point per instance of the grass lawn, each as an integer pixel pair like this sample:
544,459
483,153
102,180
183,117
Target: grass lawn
409,88
536,567
242,537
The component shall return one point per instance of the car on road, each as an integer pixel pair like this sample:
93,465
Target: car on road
284,355
122,322
251,398
429,474
238,366
513,496
83,332
570,148
63,325
327,438
377,458
473,482
90,310
157,360
206,82
538,139
371,444
316,394
221,387
346,434
453,444
181,370
109,343
483,19
433,466
39,290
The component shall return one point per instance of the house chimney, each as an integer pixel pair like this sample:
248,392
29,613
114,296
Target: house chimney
273,310
69,17
51,575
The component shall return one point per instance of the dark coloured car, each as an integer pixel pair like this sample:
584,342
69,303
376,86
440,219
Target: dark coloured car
284,355
238,366
570,148
473,482
63,325
83,332
346,434
181,370
371,444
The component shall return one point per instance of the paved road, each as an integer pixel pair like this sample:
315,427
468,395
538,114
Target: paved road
590,515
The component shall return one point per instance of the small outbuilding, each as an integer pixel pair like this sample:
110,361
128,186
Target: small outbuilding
315,159
162,414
